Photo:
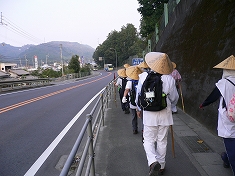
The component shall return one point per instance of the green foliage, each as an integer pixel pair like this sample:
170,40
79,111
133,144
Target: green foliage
49,73
151,12
67,70
86,68
74,64
125,43
36,73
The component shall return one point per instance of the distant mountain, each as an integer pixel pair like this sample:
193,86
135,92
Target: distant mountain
50,51
9,53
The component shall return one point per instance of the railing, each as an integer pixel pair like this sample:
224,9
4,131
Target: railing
92,134
20,84
8,85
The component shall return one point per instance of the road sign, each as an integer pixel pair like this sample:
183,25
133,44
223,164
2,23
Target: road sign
137,61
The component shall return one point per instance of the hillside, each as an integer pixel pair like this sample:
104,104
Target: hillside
50,50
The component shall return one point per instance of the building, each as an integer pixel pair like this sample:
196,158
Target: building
4,75
7,66
10,70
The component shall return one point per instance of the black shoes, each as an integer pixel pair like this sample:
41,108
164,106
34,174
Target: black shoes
224,157
135,131
127,111
161,171
154,169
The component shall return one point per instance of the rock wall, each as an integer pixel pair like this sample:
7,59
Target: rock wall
200,34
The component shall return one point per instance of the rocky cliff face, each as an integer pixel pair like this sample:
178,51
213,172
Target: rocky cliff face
200,34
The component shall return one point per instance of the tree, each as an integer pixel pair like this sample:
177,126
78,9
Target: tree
127,43
74,64
49,73
151,12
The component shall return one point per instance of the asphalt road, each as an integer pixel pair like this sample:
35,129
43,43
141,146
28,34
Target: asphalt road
32,120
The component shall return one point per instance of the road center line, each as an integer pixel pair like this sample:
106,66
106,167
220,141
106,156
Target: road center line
8,108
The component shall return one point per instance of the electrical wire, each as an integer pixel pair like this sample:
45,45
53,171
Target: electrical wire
9,25
16,29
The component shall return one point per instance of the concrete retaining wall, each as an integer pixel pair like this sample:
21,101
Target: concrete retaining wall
199,35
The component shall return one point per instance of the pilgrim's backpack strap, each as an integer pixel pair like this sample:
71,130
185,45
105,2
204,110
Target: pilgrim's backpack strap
230,81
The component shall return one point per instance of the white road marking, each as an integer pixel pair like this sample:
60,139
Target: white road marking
39,162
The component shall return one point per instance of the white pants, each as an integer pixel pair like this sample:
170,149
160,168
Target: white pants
174,109
155,135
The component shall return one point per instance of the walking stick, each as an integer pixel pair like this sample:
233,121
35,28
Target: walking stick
181,95
173,142
115,100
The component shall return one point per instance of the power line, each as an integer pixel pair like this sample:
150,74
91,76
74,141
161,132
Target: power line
21,32
16,29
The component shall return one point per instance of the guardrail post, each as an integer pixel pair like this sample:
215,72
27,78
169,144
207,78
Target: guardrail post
107,97
102,108
109,91
91,149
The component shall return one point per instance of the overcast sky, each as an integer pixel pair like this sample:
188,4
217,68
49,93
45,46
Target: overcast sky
84,21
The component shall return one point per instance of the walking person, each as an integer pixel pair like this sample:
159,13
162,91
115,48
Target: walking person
143,65
145,68
176,75
157,123
132,72
126,65
121,84
224,90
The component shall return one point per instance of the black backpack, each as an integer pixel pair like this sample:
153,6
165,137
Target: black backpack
122,90
124,81
152,98
133,92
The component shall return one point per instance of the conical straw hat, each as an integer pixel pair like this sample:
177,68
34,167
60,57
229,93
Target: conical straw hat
133,72
174,65
126,65
228,63
122,73
143,65
159,62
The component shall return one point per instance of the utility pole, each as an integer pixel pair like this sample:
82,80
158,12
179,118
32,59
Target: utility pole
61,60
20,63
25,61
1,21
115,54
46,57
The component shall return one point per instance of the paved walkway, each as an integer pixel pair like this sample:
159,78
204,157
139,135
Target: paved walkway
119,152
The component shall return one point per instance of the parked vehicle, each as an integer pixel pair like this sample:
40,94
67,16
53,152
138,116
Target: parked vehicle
108,67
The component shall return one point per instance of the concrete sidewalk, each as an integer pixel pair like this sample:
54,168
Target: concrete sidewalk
119,152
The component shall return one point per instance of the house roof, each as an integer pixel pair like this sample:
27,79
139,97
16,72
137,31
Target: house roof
3,74
20,72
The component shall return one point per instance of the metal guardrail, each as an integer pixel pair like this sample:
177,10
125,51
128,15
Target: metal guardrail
20,84
92,134
8,85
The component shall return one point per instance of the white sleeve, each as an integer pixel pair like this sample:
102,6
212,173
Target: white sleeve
142,77
128,85
170,89
119,80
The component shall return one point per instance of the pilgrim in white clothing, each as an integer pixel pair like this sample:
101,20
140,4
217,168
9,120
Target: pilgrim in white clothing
156,123
224,91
